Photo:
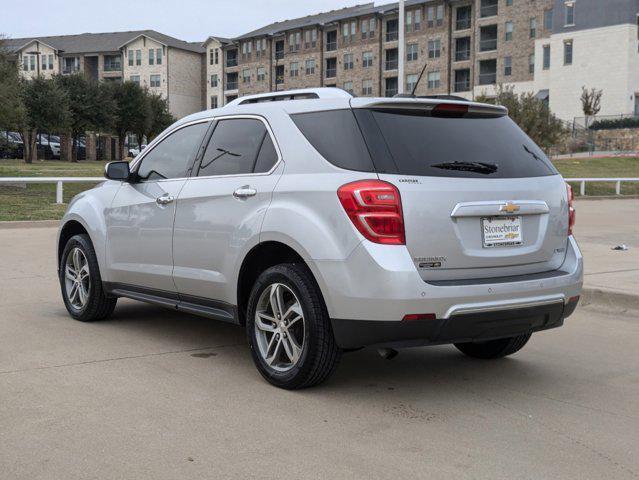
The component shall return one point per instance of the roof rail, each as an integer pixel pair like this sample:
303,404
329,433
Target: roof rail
299,94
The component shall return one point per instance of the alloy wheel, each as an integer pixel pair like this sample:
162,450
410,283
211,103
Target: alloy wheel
77,279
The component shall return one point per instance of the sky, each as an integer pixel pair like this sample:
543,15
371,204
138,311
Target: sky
190,20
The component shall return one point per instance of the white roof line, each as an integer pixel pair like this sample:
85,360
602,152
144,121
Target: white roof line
324,92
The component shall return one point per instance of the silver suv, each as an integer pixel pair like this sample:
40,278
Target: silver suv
323,223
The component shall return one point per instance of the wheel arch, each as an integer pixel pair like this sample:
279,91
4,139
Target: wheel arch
262,256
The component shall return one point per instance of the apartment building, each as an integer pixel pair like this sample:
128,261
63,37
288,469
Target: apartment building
166,65
213,71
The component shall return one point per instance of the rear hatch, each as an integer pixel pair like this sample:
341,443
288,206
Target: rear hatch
479,198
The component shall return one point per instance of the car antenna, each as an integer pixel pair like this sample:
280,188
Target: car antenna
412,93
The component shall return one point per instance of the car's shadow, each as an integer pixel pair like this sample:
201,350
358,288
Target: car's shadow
431,371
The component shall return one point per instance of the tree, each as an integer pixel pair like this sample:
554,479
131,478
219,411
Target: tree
46,109
11,107
130,110
531,114
90,106
590,102
161,118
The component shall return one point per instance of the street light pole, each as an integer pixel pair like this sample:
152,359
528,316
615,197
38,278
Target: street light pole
400,49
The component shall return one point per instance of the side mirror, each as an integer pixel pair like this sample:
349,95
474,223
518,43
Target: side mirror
117,171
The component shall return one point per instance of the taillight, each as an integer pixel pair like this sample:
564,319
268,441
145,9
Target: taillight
375,208
571,209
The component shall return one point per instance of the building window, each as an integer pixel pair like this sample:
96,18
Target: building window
135,79
151,56
417,17
331,41
531,63
392,58
462,49
363,28
214,101
390,89
412,52
348,61
279,74
211,57
348,86
434,80
434,48
546,57
488,38
51,62
430,17
214,80
310,66
392,30
409,22
509,3
462,80
155,81
411,82
509,31
568,52
367,87
508,66
158,56
570,14
310,38
246,75
261,74
463,18
533,27
353,30
440,15
130,56
138,57
345,32
112,63
217,56
548,14
294,40
488,72
367,59
488,8
331,67
247,48
372,25
294,69
43,61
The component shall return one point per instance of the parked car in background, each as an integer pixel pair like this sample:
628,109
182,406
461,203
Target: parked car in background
135,150
11,145
324,223
50,145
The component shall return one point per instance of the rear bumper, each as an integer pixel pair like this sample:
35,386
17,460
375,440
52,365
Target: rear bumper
379,283
469,327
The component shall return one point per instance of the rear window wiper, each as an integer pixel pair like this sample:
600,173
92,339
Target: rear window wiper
477,167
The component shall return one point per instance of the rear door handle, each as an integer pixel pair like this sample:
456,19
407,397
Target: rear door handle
164,199
244,192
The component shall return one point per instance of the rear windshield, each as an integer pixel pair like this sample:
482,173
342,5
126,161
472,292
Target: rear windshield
412,143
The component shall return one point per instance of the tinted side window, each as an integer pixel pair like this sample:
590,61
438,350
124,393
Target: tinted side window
336,136
267,156
233,148
173,156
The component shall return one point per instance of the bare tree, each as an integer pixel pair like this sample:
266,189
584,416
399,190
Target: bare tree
591,101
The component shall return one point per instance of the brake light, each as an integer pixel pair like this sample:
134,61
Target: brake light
375,208
449,110
571,209
411,317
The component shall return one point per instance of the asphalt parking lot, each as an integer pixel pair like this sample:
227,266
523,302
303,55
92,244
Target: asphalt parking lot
155,394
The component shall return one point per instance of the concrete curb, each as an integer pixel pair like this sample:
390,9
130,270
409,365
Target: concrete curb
609,298
30,224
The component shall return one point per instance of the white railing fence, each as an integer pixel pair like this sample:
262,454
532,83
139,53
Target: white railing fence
60,181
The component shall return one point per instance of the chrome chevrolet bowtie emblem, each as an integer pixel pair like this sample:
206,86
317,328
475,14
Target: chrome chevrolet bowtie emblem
509,208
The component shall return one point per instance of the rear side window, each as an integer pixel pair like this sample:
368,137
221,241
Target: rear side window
479,147
173,156
336,136
238,146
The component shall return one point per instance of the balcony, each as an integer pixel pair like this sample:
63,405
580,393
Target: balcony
488,78
231,85
279,54
231,62
392,36
489,8
488,45
112,67
390,92
462,86
331,46
488,38
331,72
390,65
462,55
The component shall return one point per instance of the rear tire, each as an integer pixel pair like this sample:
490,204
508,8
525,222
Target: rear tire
494,348
86,301
305,331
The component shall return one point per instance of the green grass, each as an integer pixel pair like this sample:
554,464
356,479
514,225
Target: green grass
616,167
37,202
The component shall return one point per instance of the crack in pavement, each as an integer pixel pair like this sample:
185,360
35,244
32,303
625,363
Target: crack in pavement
127,357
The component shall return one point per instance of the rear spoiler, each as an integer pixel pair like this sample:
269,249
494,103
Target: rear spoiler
432,105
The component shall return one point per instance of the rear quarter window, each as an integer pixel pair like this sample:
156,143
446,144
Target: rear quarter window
337,137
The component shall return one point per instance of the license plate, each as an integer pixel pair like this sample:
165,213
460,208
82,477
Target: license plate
501,231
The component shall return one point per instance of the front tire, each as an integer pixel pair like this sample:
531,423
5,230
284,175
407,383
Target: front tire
494,348
288,328
80,281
